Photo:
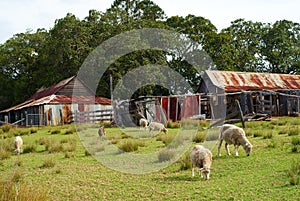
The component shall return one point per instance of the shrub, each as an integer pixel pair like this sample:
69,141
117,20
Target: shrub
294,173
5,149
18,162
6,127
199,137
24,132
166,155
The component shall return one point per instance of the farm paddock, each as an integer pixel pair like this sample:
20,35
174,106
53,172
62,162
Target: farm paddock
68,172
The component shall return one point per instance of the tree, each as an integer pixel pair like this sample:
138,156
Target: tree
282,47
246,43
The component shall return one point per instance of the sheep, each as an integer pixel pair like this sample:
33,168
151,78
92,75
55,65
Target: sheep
143,123
234,135
157,126
18,142
101,131
201,157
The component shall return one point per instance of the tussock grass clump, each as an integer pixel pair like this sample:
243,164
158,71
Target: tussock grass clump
165,138
55,131
70,130
130,145
8,192
185,162
293,131
294,173
171,124
268,134
257,133
296,143
6,127
166,155
48,163
29,148
6,147
33,130
199,137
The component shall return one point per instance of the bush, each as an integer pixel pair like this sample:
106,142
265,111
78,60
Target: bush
70,131
294,173
257,134
166,155
171,124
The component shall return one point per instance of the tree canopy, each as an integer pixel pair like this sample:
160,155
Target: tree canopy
40,58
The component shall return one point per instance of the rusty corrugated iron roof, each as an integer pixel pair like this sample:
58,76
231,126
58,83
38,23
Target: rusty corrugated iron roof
245,81
58,99
44,92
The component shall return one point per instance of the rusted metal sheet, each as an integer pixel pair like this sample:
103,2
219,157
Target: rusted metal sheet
244,81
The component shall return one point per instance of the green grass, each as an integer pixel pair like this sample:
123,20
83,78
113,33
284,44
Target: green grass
70,173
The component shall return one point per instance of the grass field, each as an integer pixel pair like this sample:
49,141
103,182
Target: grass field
55,165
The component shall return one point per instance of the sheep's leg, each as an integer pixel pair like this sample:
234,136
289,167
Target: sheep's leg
193,174
219,147
236,147
200,173
227,149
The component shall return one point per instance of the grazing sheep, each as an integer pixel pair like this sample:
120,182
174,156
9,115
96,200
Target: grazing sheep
143,123
18,142
101,131
234,135
157,126
201,158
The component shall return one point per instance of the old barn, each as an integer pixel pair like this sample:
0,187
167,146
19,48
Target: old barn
62,103
266,93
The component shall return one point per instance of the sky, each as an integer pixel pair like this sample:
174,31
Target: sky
18,16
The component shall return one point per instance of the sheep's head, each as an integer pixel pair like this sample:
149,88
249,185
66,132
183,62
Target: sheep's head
206,172
248,148
165,130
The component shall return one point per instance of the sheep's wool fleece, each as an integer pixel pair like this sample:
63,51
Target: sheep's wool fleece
201,156
232,134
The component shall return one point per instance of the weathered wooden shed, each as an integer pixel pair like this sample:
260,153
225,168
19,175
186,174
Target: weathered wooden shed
268,93
62,103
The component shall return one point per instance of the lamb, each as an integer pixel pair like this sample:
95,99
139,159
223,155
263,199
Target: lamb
234,135
18,142
157,126
143,123
201,157
101,131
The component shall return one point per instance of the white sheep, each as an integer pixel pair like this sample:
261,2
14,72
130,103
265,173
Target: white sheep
157,126
143,123
234,135
18,142
201,157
